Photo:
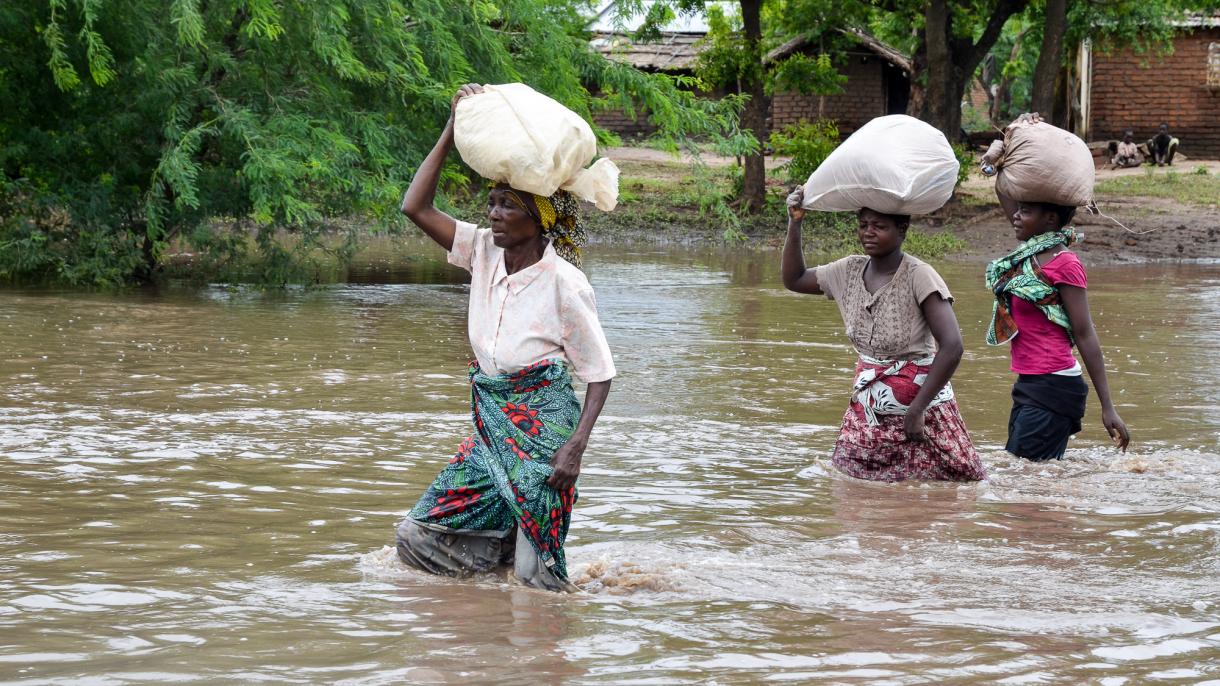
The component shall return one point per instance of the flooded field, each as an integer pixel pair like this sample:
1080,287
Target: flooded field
197,485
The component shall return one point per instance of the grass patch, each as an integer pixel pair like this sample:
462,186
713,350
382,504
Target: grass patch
833,234
1191,188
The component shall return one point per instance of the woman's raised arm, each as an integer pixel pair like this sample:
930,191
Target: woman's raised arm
417,202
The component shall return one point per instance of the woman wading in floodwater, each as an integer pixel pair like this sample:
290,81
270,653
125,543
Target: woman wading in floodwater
506,497
1042,307
903,421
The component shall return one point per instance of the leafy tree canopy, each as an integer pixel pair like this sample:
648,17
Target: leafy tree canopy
128,125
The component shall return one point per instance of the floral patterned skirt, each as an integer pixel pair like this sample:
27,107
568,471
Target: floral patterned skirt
882,452
497,479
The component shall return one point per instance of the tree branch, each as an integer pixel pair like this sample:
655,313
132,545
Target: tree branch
995,24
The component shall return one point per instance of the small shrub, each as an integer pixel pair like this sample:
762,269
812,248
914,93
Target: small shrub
808,143
975,119
1201,170
965,161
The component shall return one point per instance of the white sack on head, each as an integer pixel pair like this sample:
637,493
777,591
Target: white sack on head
514,134
1037,162
894,164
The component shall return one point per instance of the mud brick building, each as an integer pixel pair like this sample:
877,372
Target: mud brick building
1125,90
878,83
877,75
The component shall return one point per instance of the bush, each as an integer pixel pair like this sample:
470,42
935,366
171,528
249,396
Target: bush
965,160
834,234
41,242
808,143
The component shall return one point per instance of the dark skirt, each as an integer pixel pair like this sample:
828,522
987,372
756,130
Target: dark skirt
1046,411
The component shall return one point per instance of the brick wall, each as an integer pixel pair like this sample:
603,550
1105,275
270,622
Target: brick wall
862,99
618,122
1128,94
977,96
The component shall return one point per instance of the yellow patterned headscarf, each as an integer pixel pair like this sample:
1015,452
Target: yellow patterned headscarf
559,216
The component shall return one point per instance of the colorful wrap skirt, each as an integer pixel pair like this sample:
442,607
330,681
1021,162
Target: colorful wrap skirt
872,442
497,480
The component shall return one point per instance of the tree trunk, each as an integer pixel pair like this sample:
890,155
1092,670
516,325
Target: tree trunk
945,63
754,116
1050,59
942,105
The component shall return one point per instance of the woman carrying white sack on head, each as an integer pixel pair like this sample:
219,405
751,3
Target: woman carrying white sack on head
903,421
505,499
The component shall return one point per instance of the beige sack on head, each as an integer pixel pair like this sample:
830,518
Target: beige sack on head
514,134
1038,162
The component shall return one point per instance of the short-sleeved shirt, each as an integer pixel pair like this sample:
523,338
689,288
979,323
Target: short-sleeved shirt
544,311
1042,346
888,324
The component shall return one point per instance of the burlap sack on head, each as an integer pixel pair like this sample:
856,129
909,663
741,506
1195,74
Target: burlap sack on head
514,134
894,164
1037,162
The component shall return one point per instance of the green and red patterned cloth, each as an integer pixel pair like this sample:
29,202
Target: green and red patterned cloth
1016,274
497,479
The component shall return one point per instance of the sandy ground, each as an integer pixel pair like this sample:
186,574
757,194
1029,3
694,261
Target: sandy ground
1134,229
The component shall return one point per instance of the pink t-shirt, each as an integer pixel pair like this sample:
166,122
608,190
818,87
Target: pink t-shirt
1042,346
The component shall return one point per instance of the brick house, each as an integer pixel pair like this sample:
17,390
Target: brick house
878,83
878,79
1124,90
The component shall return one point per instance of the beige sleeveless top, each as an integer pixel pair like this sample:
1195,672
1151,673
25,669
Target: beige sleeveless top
888,324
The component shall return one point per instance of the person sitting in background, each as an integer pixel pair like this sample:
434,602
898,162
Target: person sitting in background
1128,154
1162,147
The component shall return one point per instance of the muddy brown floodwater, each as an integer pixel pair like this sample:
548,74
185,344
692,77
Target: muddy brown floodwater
197,485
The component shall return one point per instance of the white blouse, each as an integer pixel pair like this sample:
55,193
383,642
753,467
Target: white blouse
546,310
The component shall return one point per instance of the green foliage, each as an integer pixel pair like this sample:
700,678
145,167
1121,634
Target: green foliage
834,234
965,162
975,119
806,74
1192,188
40,240
808,144
724,60
248,128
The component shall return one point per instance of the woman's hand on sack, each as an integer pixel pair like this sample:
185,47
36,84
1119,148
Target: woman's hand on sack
913,425
467,90
796,200
1116,428
566,463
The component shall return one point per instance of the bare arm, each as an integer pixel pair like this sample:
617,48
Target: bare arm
1076,302
943,323
792,266
417,202
566,461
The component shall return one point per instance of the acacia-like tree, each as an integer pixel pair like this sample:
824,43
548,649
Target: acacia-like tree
127,126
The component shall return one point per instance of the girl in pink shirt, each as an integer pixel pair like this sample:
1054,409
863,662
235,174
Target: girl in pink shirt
1042,309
